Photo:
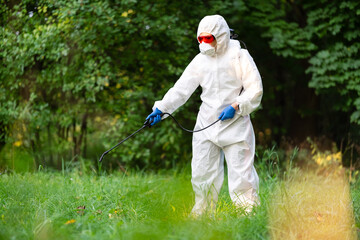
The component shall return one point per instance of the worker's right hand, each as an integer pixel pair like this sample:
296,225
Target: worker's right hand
228,113
154,117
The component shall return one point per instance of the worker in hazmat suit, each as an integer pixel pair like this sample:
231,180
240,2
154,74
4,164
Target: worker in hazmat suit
231,90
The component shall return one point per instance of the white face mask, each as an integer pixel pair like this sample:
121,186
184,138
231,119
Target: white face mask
207,49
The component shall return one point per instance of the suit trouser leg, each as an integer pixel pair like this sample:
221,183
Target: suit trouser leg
207,174
242,176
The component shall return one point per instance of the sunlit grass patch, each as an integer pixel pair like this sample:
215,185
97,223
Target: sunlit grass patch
310,205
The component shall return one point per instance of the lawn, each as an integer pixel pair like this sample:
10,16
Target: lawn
74,205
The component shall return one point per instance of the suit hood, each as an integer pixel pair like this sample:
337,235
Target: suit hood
217,26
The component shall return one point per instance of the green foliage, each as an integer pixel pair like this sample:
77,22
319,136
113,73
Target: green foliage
327,34
18,159
336,64
76,77
67,63
286,38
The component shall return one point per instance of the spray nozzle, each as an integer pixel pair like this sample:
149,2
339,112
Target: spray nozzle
148,122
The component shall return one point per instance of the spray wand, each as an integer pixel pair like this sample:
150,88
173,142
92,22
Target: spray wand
147,123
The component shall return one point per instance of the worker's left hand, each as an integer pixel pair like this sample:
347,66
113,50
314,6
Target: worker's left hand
228,113
154,117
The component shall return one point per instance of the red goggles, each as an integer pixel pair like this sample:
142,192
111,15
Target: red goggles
206,39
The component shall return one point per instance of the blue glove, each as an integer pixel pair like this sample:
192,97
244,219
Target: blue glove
154,117
228,113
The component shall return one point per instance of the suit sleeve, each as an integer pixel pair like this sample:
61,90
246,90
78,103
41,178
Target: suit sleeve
181,91
252,93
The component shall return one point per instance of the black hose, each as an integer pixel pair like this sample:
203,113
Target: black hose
102,156
187,130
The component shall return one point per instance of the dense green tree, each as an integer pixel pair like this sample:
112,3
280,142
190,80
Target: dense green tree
317,45
65,62
78,76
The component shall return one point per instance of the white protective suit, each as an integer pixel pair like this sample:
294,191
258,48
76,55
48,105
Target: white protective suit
222,77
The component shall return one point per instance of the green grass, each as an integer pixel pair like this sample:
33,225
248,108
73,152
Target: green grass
118,206
355,195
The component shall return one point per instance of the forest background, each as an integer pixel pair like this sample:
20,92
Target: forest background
78,76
